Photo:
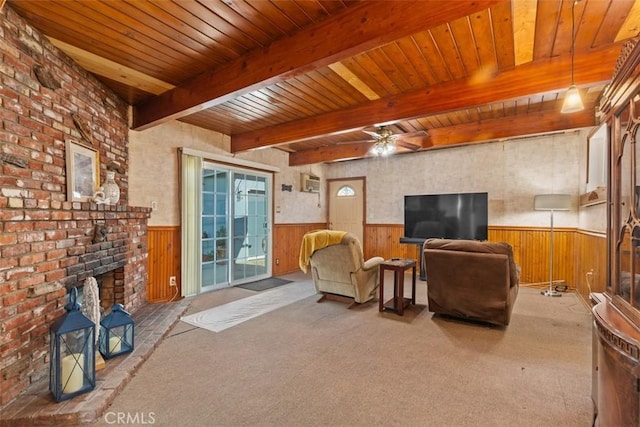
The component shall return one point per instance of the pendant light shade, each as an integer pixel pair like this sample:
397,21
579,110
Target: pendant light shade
572,99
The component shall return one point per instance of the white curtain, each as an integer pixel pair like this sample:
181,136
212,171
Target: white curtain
190,208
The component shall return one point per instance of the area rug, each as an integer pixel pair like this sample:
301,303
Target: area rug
224,316
264,284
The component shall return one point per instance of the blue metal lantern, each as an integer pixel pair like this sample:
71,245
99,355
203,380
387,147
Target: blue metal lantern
116,333
72,367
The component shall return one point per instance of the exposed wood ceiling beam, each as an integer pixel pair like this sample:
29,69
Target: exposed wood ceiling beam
112,70
354,150
537,77
486,130
358,29
512,126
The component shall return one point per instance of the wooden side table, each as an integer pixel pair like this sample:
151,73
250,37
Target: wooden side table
398,303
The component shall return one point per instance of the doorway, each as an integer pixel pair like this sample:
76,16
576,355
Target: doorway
347,206
235,223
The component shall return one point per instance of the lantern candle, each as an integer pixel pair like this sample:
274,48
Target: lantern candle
72,364
72,378
116,333
114,345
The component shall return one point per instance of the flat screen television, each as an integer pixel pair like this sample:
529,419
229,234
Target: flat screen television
448,216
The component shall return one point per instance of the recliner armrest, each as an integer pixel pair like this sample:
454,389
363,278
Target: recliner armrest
372,263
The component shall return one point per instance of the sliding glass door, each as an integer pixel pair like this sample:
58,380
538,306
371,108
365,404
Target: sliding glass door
215,223
236,240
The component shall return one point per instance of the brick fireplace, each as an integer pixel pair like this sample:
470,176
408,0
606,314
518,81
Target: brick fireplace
48,244
117,259
55,259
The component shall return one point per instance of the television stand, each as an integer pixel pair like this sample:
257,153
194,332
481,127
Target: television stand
418,242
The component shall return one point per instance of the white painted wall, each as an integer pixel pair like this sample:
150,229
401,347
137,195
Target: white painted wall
512,172
153,173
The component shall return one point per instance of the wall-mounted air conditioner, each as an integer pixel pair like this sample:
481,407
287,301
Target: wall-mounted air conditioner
309,183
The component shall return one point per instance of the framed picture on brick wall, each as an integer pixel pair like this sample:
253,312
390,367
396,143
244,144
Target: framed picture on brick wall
82,172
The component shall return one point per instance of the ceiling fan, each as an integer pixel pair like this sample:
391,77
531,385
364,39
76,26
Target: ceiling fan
386,142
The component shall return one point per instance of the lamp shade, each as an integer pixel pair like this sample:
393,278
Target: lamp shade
572,101
552,202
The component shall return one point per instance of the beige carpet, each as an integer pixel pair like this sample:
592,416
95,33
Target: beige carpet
310,364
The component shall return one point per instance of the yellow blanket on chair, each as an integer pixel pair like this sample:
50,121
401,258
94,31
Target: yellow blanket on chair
315,240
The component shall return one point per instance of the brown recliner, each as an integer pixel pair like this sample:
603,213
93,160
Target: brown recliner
340,269
471,280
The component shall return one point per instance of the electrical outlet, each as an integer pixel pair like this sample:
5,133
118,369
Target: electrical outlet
277,261
172,281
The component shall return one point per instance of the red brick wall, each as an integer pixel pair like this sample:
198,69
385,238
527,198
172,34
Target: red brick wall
46,241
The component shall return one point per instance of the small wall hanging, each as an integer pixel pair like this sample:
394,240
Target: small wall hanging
83,127
45,77
82,175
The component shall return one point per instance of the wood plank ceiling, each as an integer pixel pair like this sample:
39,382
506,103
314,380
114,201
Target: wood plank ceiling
308,76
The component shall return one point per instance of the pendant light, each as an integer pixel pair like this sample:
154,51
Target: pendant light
572,99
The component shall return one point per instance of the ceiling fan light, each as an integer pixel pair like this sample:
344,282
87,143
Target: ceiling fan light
572,101
383,149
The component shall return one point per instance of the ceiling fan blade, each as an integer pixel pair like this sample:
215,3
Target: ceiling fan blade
372,133
408,145
413,134
415,142
361,141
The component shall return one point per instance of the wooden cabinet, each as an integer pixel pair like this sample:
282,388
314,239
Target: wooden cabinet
616,382
616,313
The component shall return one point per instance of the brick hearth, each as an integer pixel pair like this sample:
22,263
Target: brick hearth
54,259
37,407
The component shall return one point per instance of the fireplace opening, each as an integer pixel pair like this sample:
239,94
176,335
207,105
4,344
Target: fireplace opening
110,287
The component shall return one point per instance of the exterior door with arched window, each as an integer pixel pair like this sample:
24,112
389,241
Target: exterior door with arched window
346,206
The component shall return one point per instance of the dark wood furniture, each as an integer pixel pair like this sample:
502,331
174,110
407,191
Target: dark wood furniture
419,242
616,313
398,303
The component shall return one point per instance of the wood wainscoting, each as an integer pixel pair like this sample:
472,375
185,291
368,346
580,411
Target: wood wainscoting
531,252
164,255
164,262
530,248
576,253
286,245
591,254
384,240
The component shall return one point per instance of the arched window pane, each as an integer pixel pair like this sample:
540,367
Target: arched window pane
346,191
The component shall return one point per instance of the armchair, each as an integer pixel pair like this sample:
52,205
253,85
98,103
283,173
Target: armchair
471,279
338,267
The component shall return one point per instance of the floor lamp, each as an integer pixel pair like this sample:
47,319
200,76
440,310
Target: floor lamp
551,203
